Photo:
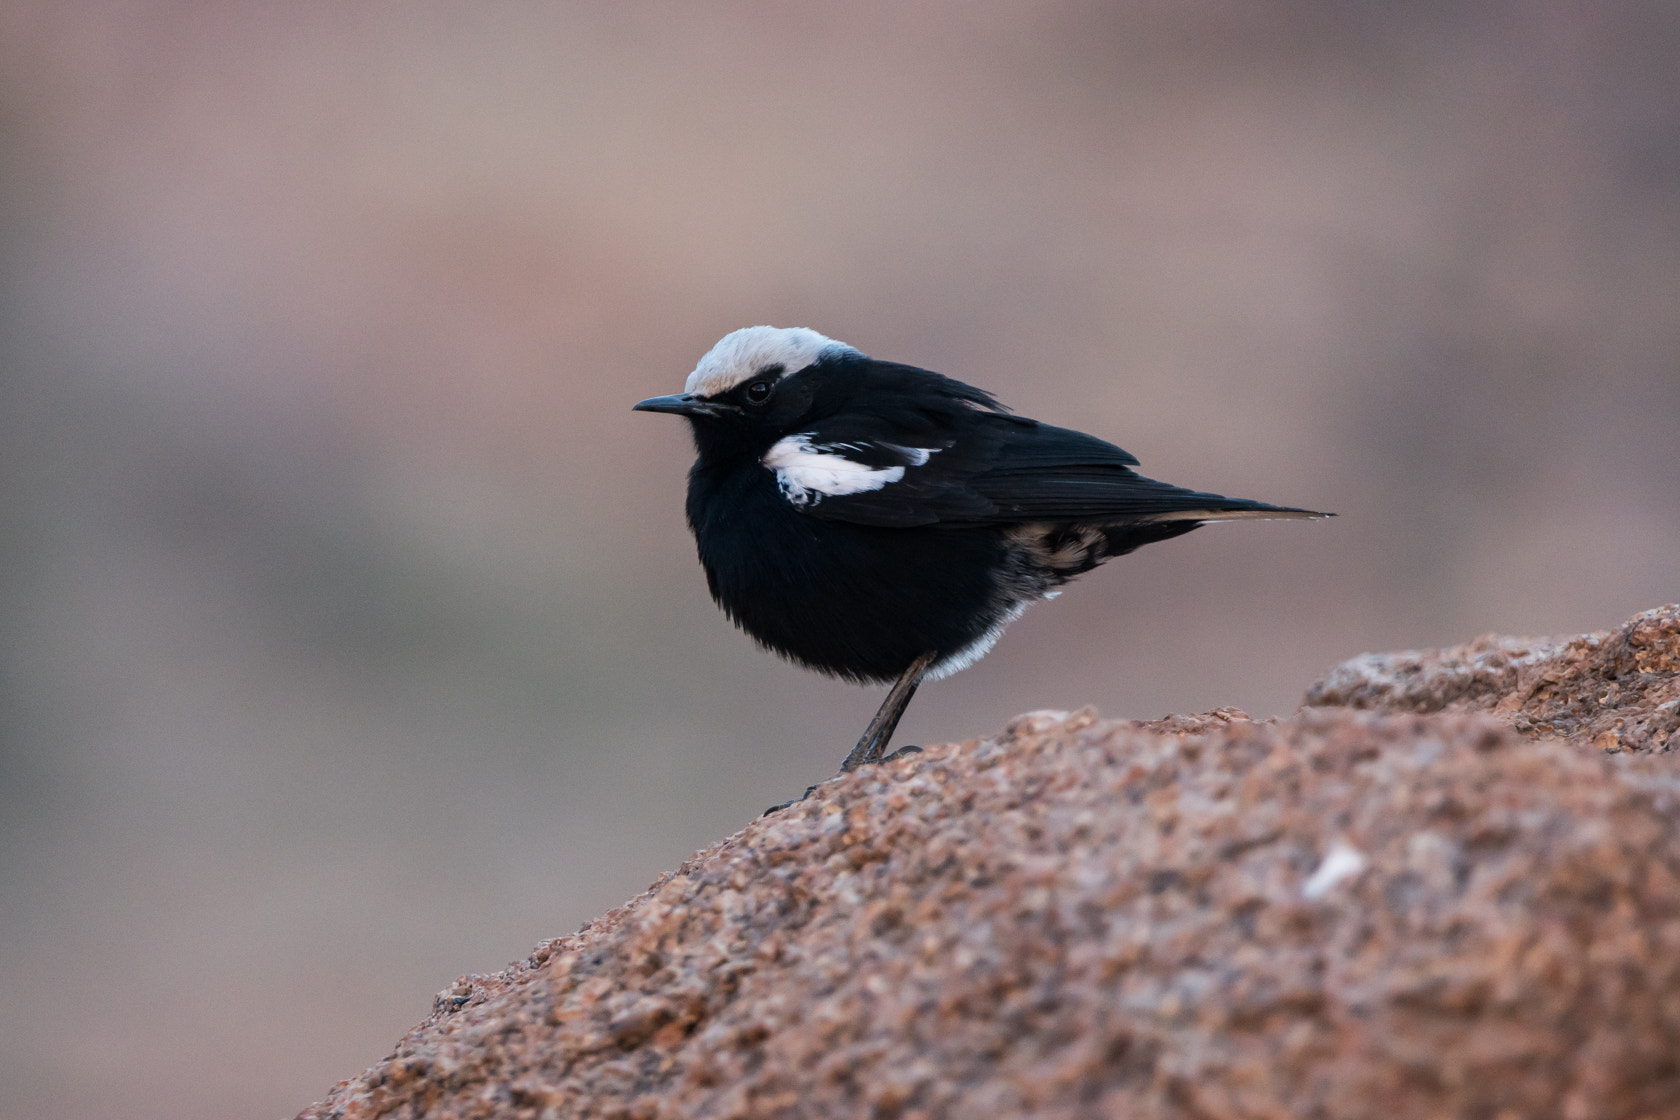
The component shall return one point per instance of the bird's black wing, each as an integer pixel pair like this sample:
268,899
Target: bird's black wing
986,468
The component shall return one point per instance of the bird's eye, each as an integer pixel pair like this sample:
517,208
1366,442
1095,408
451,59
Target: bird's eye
758,392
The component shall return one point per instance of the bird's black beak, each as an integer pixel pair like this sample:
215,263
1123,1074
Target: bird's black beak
682,404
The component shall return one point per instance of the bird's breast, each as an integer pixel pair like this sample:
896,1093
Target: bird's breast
857,601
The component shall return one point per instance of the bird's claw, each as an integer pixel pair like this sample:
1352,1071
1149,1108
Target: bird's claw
809,790
902,752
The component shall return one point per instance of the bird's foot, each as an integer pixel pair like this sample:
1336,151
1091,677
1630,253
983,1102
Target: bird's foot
809,790
902,752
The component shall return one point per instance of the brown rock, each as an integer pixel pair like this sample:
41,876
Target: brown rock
1619,688
1344,914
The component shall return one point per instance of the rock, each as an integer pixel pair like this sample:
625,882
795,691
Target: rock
1619,688
1346,913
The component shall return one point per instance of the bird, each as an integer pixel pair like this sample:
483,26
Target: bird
884,523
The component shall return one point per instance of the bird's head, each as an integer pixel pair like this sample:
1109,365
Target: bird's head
755,386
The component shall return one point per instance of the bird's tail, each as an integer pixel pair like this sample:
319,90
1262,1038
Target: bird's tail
1245,511
1121,536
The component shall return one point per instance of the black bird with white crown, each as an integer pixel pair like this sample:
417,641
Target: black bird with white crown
880,522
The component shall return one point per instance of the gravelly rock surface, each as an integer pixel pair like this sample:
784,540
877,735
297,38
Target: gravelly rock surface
1619,688
1343,914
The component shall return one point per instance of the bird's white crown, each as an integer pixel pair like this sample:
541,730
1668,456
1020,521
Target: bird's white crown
741,354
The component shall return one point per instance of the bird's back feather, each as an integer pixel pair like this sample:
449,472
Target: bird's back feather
1004,470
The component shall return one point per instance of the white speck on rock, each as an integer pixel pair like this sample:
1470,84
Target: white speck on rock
1342,861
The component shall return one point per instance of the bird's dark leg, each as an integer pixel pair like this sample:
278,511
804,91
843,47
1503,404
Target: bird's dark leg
873,745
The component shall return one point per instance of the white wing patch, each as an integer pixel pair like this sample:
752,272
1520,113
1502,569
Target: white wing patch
741,354
918,456
807,474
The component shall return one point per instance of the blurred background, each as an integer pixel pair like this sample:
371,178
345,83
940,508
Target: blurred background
351,637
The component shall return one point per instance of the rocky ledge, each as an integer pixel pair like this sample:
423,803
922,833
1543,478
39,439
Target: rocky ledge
1450,887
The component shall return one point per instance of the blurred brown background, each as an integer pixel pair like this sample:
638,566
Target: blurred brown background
350,635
